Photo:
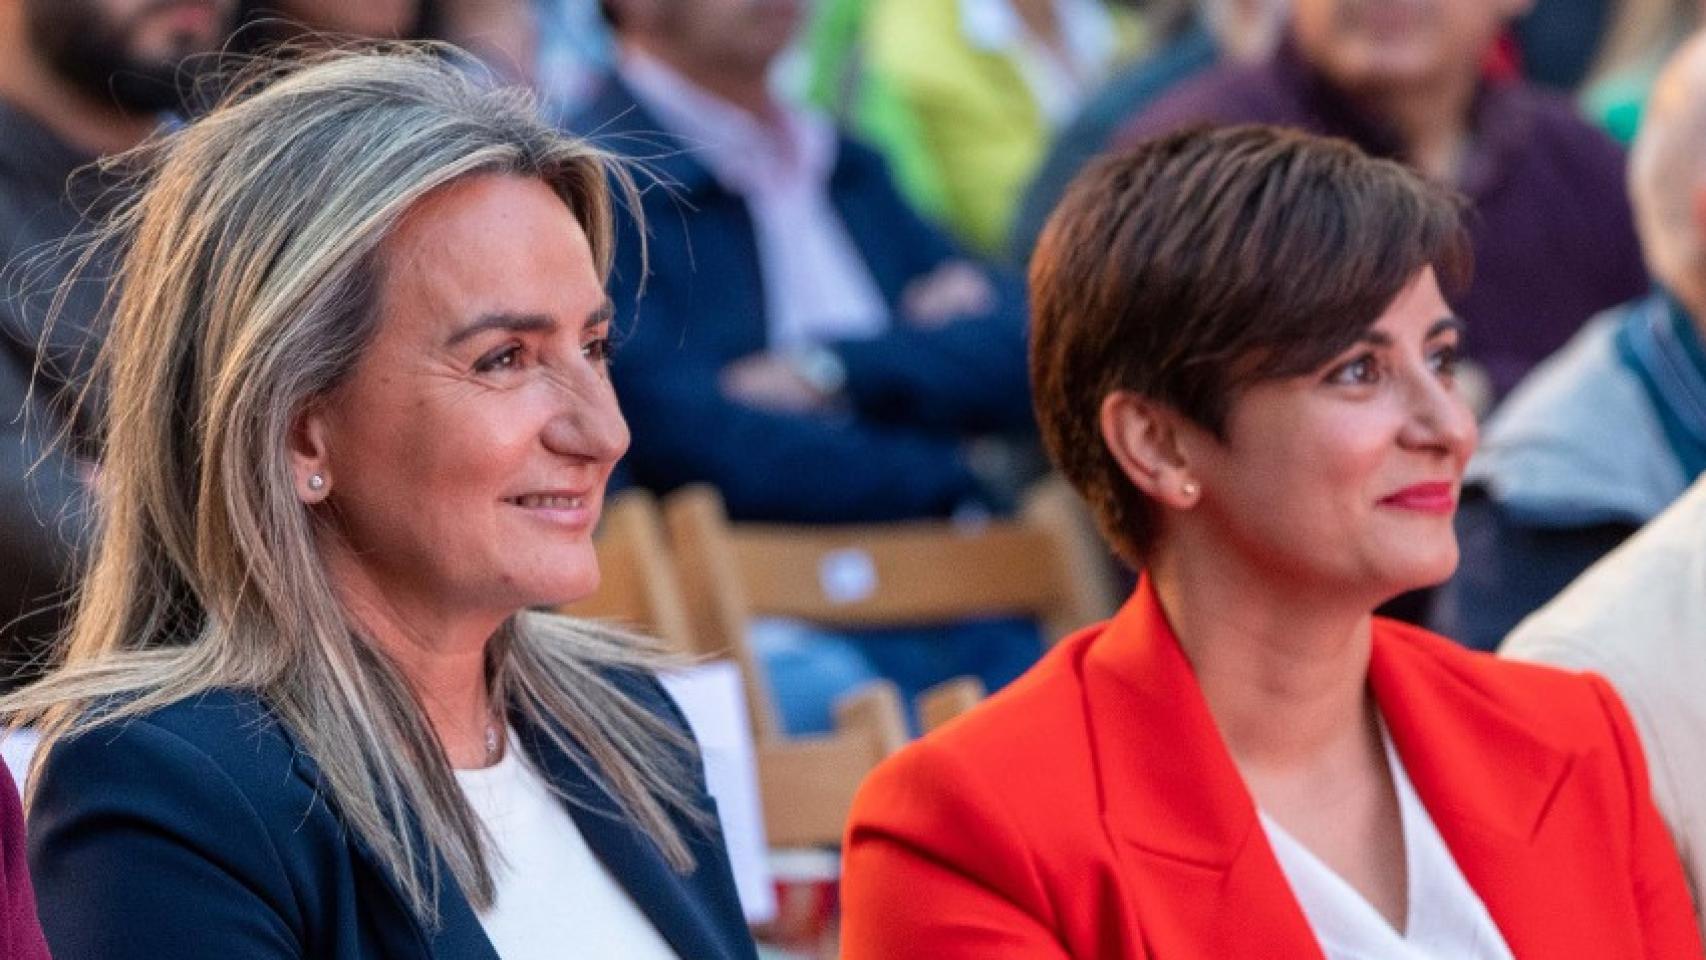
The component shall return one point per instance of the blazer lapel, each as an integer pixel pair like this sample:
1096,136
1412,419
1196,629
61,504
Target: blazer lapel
400,935
675,908
1491,785
1203,879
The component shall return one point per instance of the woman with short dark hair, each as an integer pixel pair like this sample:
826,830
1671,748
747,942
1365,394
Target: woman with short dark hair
1243,360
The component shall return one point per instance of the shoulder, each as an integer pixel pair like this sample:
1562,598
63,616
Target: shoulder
224,748
206,797
233,728
1579,442
1546,150
1637,616
1228,93
1557,705
1558,134
1008,757
1000,802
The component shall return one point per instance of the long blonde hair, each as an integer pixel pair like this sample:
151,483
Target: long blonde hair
246,289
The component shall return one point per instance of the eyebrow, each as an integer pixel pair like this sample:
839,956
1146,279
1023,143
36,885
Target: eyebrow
1379,338
527,323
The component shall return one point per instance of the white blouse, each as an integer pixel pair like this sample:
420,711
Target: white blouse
555,899
1446,918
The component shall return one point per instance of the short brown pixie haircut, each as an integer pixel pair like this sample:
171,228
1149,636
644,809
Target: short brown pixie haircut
1199,263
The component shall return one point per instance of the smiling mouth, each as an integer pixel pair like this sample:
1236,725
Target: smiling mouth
1437,498
539,501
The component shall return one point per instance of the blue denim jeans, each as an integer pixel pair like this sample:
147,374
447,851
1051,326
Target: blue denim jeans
809,668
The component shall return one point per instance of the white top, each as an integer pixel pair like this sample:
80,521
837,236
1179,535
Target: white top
1446,920
817,287
1637,618
555,899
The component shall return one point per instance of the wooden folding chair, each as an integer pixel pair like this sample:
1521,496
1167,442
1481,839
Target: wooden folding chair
1042,565
947,700
638,587
1039,566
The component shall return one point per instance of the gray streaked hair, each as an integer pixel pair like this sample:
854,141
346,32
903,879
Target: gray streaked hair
247,287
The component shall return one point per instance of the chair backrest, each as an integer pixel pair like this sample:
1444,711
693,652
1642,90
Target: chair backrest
806,784
947,700
1043,565
638,584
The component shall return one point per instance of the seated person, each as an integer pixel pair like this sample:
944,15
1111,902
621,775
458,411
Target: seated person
984,85
1244,762
362,423
1553,239
1638,618
1603,436
804,341
79,80
1210,30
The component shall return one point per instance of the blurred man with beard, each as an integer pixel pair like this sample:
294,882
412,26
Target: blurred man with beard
307,24
79,80
1422,81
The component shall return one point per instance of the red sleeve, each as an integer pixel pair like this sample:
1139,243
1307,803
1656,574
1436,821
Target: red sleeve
1661,892
22,937
934,868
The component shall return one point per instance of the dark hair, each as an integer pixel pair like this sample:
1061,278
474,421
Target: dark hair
611,14
1198,263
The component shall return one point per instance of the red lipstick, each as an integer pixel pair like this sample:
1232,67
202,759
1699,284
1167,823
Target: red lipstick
1437,498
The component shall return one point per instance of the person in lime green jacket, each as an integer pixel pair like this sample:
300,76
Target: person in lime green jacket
963,96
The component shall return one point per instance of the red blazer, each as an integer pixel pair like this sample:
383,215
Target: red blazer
1092,810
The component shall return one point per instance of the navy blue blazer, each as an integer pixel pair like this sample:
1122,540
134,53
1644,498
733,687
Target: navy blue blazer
196,832
915,393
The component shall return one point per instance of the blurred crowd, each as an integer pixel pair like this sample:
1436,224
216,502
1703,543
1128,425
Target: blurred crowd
819,286
827,320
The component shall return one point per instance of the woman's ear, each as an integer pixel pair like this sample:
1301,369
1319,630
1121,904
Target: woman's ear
309,466
1143,437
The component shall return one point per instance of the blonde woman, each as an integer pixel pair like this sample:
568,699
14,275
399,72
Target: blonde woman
360,423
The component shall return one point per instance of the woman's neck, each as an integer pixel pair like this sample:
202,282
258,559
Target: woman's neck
441,655
1263,648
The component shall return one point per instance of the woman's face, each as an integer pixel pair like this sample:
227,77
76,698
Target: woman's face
466,456
1347,478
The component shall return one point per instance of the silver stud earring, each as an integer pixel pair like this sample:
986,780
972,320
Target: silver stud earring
1189,488
316,482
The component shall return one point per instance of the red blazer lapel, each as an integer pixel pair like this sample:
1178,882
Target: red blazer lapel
1203,880
1492,786
1201,876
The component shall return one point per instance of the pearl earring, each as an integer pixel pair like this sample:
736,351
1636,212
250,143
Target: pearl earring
316,482
1189,488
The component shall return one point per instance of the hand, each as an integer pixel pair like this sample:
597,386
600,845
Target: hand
768,382
953,291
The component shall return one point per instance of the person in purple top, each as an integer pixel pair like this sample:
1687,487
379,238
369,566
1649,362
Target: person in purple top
20,931
1553,236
